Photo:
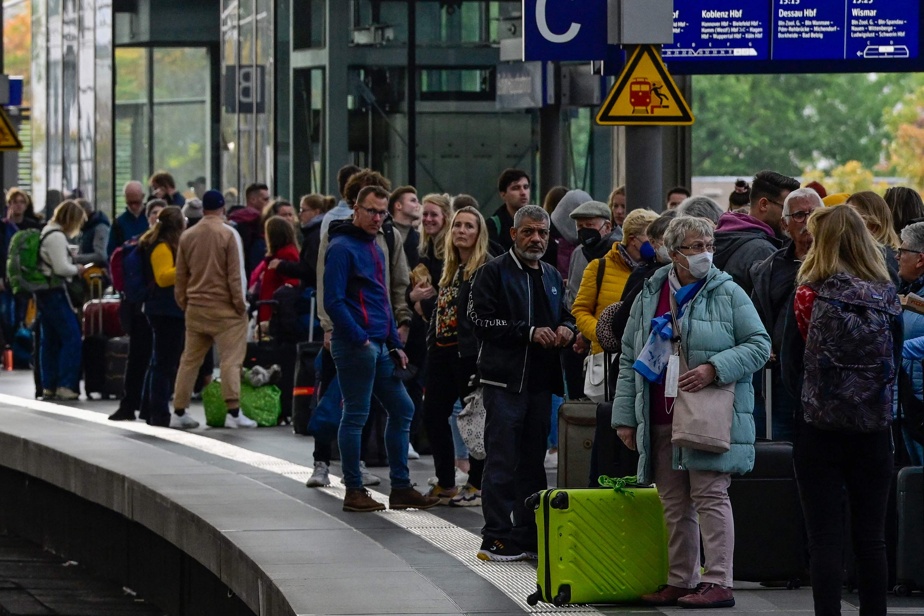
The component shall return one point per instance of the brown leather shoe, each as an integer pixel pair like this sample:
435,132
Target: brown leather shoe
708,595
358,499
409,498
666,595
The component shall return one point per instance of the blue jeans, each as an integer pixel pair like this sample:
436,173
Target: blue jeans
557,401
516,429
169,337
364,371
59,359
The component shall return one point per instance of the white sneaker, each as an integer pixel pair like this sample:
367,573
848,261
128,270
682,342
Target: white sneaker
412,453
183,422
368,478
551,459
66,394
320,476
241,421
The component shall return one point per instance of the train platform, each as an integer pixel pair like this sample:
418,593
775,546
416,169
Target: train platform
162,504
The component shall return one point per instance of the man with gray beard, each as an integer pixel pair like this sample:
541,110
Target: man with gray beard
774,282
518,312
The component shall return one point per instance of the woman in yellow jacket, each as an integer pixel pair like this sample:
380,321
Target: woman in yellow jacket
622,258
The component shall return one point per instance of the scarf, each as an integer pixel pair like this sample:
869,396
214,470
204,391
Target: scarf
652,361
632,263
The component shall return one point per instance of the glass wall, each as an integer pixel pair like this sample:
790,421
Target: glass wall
162,114
72,45
248,104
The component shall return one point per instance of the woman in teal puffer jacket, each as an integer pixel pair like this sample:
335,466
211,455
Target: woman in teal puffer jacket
723,341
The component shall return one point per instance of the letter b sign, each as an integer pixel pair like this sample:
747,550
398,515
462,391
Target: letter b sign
245,89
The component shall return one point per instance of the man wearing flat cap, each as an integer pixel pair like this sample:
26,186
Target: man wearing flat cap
595,236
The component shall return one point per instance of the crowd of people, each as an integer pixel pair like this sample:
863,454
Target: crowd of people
425,301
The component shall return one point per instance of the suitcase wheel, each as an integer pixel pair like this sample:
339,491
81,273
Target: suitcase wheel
794,584
902,590
563,596
559,501
534,598
532,502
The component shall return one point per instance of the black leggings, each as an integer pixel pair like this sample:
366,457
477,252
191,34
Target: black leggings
447,381
830,466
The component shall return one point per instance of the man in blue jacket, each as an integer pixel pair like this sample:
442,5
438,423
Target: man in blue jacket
367,350
132,222
517,308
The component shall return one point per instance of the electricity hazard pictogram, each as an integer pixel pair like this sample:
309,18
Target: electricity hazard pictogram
645,94
9,138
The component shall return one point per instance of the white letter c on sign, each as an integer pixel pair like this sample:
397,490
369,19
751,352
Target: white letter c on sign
544,26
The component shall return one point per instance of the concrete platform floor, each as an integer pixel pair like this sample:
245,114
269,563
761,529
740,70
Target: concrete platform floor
422,552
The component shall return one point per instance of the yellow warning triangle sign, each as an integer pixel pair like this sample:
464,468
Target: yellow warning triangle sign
9,138
645,94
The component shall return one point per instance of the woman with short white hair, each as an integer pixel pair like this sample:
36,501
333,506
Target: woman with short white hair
722,341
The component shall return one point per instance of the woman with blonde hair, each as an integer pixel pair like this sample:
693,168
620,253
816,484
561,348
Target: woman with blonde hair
452,352
878,218
59,357
848,315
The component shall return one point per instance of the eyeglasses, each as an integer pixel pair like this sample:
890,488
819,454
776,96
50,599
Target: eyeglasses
304,210
373,212
798,216
908,250
775,202
699,247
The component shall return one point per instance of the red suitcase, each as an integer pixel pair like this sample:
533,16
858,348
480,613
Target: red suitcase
108,307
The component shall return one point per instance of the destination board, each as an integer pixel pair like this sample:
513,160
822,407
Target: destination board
728,36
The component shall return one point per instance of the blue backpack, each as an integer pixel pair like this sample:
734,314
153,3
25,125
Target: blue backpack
135,284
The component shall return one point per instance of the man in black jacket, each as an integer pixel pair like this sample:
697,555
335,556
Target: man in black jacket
774,281
517,308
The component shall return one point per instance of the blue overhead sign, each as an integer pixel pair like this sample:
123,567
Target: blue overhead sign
564,30
798,36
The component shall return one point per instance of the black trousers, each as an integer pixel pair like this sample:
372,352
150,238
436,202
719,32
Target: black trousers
830,467
140,349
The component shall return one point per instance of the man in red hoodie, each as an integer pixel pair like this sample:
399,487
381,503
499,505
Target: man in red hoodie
247,222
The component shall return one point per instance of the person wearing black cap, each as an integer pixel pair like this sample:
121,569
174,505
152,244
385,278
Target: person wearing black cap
210,289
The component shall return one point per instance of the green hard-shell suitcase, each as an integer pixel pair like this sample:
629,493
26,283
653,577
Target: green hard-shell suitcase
599,545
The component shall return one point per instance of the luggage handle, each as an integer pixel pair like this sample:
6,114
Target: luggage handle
96,282
768,402
262,302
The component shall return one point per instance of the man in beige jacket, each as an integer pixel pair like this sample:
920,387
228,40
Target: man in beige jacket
210,290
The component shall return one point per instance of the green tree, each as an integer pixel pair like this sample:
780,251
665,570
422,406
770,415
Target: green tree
905,122
745,123
17,47
849,178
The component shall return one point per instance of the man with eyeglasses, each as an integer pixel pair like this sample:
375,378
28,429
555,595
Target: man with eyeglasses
517,308
132,222
367,350
774,281
741,240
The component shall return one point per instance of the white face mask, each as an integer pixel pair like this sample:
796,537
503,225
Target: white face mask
699,264
664,255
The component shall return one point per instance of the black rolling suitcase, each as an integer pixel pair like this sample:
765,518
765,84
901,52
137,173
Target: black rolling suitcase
304,397
104,358
268,351
909,557
769,527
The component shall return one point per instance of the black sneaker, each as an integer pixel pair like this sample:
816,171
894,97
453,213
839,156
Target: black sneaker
497,551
